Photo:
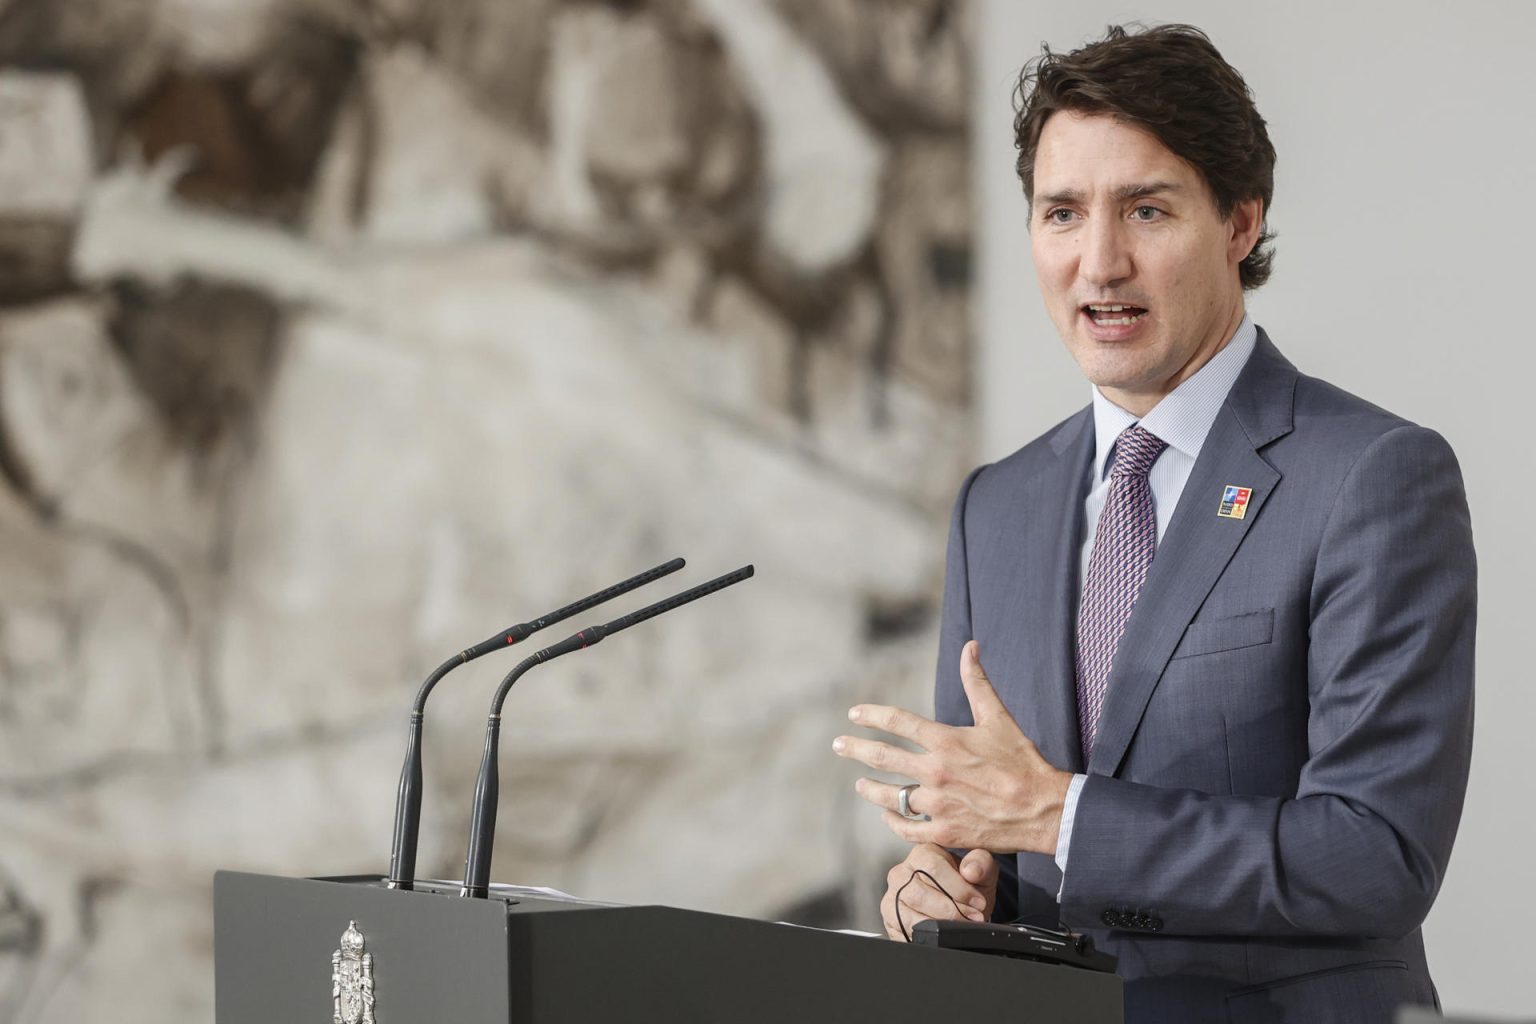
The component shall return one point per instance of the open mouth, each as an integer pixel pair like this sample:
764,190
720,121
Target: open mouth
1116,315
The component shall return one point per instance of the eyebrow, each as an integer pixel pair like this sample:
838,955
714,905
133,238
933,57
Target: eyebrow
1137,190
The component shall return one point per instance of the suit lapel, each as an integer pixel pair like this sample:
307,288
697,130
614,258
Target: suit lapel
1198,543
1058,717
1036,547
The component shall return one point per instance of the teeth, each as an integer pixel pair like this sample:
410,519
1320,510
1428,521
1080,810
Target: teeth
1124,321
1107,309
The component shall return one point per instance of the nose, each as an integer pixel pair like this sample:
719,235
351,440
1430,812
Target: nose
1105,259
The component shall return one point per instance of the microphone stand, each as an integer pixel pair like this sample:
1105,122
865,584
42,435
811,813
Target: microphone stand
402,855
482,827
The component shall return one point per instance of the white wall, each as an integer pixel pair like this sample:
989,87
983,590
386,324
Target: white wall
1404,210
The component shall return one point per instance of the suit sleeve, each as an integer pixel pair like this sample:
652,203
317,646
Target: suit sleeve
950,704
1361,848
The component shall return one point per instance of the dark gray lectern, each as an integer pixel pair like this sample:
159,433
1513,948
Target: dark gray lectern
437,957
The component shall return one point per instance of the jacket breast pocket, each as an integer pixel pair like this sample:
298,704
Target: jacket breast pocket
1227,633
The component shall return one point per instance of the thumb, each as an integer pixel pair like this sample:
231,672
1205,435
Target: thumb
979,868
984,701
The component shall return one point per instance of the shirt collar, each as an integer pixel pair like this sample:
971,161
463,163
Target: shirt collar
1184,417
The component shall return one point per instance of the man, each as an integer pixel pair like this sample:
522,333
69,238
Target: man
1226,612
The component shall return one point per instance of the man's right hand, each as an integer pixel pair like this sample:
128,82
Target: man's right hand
971,881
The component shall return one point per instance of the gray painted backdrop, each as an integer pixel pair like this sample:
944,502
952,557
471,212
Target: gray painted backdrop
1403,207
336,335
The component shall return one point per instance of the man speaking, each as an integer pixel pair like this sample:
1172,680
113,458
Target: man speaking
1205,672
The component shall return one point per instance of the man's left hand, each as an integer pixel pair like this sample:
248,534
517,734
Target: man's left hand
985,786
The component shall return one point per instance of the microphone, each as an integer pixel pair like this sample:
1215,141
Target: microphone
482,824
402,855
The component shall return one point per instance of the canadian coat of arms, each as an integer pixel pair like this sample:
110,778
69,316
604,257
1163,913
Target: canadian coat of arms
352,980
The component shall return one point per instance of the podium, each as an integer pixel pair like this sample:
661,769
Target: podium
433,956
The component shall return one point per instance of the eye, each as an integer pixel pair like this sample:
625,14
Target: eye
1060,215
1147,213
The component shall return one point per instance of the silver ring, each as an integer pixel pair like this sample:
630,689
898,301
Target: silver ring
904,803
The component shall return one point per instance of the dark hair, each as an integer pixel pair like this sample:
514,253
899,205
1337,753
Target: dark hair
1172,82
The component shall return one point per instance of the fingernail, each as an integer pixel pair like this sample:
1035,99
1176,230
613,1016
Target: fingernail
858,787
854,714
838,745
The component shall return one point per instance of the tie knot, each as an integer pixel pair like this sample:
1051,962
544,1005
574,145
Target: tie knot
1135,451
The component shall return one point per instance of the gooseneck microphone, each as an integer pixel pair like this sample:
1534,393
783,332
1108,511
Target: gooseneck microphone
482,824
402,855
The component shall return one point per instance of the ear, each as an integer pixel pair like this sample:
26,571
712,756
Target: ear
1246,222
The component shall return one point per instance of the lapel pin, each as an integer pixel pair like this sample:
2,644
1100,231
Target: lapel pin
1234,502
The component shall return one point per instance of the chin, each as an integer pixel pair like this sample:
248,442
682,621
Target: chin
1105,371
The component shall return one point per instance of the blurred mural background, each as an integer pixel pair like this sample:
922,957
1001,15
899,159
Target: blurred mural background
336,335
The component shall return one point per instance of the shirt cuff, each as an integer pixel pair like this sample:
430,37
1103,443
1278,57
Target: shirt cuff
1064,833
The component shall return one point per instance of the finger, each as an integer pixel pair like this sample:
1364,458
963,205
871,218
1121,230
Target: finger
908,831
931,898
893,929
898,722
986,705
888,795
938,832
920,901
898,926
943,866
879,756
931,858
979,867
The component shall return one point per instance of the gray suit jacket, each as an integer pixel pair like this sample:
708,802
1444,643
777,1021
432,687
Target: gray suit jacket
1283,751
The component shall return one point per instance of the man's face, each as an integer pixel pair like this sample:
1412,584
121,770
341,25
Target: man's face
1118,220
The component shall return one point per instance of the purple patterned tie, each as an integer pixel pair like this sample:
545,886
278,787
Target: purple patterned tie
1123,548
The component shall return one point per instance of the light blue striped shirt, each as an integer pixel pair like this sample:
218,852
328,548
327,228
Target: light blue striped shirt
1183,419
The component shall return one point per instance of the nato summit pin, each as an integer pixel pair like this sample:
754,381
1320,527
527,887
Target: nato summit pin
1234,502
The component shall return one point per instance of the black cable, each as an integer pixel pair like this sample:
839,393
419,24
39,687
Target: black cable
905,934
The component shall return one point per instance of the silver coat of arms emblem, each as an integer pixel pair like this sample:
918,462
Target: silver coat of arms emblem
352,980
